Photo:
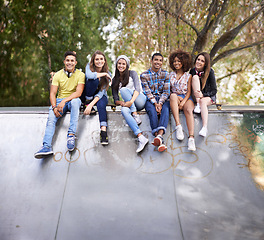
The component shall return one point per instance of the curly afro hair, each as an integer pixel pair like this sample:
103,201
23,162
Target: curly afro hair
184,57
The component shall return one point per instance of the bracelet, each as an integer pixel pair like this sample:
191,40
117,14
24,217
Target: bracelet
53,107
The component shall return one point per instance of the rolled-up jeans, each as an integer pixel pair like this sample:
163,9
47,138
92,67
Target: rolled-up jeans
74,107
137,105
158,122
101,107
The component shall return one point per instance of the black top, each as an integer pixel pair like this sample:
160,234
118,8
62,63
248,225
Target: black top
210,88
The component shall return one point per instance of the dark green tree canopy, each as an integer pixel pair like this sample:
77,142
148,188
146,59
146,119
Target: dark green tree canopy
34,36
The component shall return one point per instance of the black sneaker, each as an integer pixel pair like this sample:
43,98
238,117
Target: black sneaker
103,138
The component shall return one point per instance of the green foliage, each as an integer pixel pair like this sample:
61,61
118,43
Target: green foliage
216,27
34,36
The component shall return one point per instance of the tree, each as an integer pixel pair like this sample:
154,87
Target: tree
35,35
228,30
202,25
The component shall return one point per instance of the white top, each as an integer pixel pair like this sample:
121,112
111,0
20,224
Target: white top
179,86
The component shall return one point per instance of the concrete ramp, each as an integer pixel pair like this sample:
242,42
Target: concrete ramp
110,193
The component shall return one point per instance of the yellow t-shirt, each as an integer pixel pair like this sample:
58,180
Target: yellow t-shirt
66,85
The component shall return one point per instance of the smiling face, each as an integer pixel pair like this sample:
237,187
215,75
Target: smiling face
99,62
200,63
177,63
156,63
121,65
70,63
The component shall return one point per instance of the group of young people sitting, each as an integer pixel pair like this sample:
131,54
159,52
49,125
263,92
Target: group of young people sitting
156,90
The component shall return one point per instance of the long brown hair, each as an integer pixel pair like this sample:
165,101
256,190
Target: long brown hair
104,82
207,67
117,78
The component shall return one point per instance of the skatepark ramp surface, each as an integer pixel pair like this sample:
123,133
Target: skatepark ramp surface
110,192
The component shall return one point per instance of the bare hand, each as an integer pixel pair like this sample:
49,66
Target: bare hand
122,103
198,94
180,99
158,107
87,110
127,104
109,79
108,76
56,112
61,106
51,76
181,105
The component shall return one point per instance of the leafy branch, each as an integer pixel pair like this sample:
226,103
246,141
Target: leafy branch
234,50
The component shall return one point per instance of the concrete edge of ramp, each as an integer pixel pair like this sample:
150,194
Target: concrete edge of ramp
224,109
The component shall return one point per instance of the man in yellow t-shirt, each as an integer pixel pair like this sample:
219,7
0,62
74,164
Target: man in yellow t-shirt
69,84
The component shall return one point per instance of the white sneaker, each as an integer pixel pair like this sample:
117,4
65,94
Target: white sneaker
179,132
203,132
137,118
142,142
197,108
191,144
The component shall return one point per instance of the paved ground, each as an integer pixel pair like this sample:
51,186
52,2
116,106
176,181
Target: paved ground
113,193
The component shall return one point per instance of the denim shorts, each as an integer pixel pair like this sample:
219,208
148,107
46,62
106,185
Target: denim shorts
183,96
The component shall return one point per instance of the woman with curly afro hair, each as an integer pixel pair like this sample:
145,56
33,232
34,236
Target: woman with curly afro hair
180,98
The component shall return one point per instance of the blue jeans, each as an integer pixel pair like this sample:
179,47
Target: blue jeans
101,107
137,105
158,122
74,107
91,89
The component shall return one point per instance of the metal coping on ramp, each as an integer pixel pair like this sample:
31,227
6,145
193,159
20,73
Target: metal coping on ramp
224,109
111,192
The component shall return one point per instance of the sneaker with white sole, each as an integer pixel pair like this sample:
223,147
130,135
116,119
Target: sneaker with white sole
179,132
191,144
137,118
142,142
203,132
162,147
197,108
157,141
43,152
71,142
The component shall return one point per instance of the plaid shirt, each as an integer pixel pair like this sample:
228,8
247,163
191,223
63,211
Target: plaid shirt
156,85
